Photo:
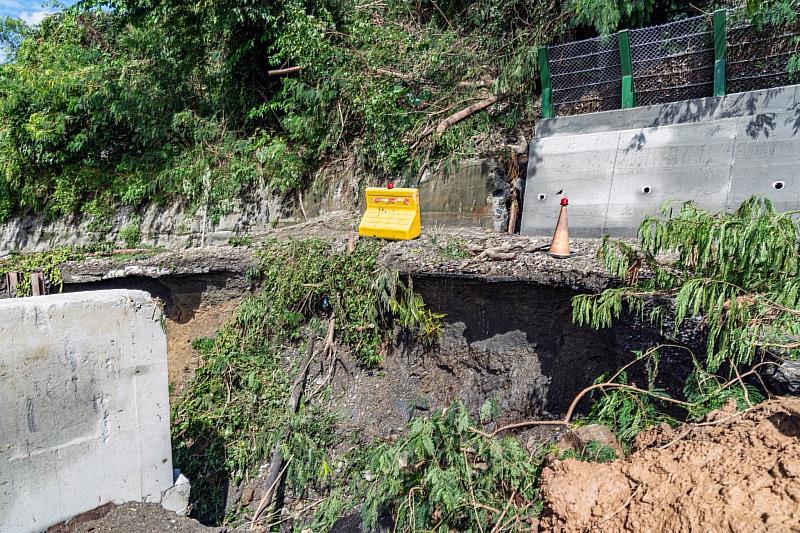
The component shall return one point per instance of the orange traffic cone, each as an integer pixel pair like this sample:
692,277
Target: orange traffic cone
559,248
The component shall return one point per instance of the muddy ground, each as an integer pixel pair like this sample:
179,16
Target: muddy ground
732,472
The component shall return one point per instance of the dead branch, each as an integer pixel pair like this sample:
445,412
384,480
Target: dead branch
394,74
277,464
300,203
513,213
455,118
474,84
494,254
284,71
478,84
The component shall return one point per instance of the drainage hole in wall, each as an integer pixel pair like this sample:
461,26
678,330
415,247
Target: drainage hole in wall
778,185
542,196
646,189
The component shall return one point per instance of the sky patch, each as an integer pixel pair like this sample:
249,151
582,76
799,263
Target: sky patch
31,11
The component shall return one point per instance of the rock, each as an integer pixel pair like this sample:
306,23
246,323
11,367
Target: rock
785,377
176,498
579,438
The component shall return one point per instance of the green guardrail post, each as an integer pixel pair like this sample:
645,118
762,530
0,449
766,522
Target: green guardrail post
628,92
720,48
547,85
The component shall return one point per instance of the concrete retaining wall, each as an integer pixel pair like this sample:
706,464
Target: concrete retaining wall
619,166
473,195
85,411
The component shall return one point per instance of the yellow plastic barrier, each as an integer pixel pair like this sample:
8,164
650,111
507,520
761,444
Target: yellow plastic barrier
391,214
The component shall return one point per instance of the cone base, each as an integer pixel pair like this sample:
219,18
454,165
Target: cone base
560,256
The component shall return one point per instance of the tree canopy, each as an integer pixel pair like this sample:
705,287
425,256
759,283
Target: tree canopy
141,100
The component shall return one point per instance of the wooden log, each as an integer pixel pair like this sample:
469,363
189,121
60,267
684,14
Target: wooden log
455,118
284,71
37,284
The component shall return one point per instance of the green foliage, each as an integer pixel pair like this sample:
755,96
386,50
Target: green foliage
737,273
242,240
595,452
451,248
707,392
626,412
132,101
48,263
607,16
734,274
131,235
146,101
234,409
434,475
410,312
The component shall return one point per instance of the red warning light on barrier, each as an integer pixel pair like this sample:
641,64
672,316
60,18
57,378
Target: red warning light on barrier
564,202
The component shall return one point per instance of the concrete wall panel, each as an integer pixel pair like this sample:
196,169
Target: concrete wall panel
85,411
578,178
767,158
620,166
657,164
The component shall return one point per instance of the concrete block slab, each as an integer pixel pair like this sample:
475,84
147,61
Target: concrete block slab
560,173
85,405
678,163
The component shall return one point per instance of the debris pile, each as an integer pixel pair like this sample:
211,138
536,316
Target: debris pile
735,471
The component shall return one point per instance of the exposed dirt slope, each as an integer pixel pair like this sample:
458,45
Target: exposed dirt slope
182,359
132,517
734,472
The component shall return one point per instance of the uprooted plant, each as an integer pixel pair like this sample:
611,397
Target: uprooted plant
735,275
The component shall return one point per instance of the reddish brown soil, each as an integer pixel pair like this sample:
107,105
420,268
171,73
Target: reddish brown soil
182,359
735,472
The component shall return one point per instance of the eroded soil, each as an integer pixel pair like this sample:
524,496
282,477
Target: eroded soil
735,472
182,359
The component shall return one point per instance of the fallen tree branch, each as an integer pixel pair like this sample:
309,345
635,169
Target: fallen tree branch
399,75
284,71
495,255
277,464
455,118
477,84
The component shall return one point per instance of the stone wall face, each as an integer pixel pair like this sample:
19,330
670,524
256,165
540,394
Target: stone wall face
617,167
473,194
85,409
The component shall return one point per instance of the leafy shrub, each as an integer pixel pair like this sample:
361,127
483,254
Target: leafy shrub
442,475
48,263
131,235
734,274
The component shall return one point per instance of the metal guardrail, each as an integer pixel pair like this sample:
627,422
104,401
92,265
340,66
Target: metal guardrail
708,55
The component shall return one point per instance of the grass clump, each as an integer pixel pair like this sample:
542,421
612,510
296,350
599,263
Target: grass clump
131,235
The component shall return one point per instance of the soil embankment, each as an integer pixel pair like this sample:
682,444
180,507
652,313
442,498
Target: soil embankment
732,472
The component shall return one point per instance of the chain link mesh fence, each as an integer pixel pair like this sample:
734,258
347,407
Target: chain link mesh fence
673,61
670,62
585,76
758,58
